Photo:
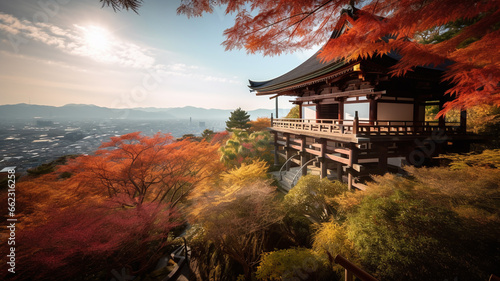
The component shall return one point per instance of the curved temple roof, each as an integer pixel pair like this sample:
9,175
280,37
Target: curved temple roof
311,68
314,69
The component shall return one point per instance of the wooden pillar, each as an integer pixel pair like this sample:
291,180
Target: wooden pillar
277,107
339,172
355,124
373,111
303,155
353,159
288,151
348,276
300,109
276,148
303,160
341,110
381,150
463,121
323,173
442,121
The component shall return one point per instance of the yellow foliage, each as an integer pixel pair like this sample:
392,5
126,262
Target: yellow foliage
331,238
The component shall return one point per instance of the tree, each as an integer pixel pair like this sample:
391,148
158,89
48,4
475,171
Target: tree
244,148
439,224
238,214
293,264
104,237
207,134
380,26
313,197
260,124
238,120
137,169
294,112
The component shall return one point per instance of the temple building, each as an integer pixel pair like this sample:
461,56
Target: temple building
357,120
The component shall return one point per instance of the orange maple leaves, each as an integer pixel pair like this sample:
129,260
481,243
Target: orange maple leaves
378,27
136,169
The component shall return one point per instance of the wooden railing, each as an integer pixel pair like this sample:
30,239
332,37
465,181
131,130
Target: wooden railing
352,270
367,128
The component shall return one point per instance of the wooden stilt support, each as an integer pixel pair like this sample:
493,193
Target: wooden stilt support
339,172
382,158
353,159
322,159
276,148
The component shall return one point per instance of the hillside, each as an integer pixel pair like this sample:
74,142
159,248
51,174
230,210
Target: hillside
24,111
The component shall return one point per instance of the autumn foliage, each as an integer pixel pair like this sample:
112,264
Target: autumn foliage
135,169
376,28
108,211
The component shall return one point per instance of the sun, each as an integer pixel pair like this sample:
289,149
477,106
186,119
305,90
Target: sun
97,38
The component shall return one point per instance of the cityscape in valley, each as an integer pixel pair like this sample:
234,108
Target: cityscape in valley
34,135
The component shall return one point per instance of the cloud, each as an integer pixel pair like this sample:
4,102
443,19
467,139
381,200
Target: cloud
100,45
78,40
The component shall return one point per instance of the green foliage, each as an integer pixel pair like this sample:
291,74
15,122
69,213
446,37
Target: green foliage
207,134
431,112
293,264
313,197
294,112
437,225
238,120
49,167
244,148
401,237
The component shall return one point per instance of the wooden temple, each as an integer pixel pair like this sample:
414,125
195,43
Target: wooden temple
356,119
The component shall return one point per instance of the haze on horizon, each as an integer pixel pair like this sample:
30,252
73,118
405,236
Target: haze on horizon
76,52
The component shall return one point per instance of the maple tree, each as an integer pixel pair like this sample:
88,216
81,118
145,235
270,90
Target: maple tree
134,169
104,237
380,26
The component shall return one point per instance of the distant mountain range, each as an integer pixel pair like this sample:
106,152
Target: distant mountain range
25,111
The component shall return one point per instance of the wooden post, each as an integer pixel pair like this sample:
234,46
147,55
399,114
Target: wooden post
276,147
381,149
300,110
288,150
341,110
463,121
339,172
272,119
442,121
353,269
323,159
303,155
277,107
355,124
353,159
373,111
348,276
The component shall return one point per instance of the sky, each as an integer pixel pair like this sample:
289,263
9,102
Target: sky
57,52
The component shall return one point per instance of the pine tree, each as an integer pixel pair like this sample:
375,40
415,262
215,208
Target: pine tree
238,120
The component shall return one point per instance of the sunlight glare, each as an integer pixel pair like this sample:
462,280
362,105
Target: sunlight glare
97,38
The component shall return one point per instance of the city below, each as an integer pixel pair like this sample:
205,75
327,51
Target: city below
30,143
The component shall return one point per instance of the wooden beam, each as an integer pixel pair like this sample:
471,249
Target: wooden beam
337,159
